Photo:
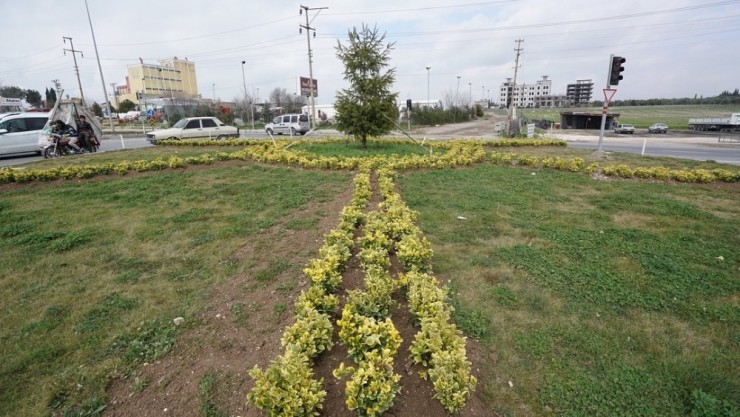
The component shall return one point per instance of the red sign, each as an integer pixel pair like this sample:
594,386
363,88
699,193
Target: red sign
304,85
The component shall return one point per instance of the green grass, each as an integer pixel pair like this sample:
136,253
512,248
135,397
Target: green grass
93,272
676,117
600,298
594,298
374,148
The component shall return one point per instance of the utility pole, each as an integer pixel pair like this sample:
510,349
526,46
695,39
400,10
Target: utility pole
512,112
100,68
310,55
74,57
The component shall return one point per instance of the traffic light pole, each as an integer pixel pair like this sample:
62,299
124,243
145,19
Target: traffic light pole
608,94
605,109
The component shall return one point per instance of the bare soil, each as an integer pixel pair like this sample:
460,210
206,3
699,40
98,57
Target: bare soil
225,344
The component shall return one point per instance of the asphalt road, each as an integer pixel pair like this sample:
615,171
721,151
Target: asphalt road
699,148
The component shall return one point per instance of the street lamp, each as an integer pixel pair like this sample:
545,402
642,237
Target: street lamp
143,93
457,93
470,94
428,68
214,92
244,80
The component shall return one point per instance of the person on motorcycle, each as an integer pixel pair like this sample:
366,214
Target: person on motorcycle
85,131
61,128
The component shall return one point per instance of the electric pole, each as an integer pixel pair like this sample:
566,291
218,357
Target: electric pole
74,57
310,55
512,112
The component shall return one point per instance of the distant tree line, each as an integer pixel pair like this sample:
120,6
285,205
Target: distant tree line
725,97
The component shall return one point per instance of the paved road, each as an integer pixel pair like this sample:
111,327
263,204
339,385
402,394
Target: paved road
701,148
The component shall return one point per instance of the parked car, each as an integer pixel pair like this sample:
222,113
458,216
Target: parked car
658,128
629,129
194,127
288,123
19,132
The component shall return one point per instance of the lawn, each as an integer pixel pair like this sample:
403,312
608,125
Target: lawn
594,298
94,272
588,297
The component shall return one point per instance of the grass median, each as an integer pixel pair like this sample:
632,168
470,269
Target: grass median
592,298
94,272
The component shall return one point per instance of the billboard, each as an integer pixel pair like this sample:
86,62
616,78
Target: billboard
304,86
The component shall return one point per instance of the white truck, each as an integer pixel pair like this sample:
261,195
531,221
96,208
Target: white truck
720,123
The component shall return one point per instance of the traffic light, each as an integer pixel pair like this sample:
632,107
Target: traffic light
615,75
138,96
408,104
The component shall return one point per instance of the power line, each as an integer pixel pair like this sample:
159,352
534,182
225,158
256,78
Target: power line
452,6
206,35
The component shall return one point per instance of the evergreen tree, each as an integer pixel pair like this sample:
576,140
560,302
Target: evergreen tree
33,98
367,108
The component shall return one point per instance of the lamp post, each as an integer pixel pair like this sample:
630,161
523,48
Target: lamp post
143,92
428,68
244,81
256,100
251,107
214,92
470,94
457,92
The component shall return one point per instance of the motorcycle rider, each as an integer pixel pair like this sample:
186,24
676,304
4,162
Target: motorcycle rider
61,128
85,131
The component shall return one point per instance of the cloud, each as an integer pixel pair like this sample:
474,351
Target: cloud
673,48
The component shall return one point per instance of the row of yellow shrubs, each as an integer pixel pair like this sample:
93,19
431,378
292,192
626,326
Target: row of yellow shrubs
454,154
287,387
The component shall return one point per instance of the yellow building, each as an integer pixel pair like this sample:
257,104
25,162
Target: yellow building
172,79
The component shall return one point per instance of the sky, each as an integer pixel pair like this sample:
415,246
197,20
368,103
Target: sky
673,48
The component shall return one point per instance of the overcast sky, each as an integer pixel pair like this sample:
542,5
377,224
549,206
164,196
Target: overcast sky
674,48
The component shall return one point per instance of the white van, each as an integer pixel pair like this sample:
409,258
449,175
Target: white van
19,132
292,124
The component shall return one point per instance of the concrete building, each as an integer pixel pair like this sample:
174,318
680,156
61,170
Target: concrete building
523,94
552,101
172,80
580,93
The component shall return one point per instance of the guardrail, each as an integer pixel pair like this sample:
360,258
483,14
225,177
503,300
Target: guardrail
728,137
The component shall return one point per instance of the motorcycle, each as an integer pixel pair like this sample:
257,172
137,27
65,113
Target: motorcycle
58,146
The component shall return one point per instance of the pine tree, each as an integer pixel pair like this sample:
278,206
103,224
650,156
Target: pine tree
367,108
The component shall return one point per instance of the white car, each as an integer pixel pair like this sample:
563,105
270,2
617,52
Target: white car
19,132
194,127
292,124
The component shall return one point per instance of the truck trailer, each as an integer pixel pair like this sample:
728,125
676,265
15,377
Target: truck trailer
720,123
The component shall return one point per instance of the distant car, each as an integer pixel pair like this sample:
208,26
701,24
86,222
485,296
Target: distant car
629,129
658,128
194,127
19,132
288,123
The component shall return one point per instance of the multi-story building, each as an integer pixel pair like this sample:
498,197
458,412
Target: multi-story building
524,95
172,80
580,93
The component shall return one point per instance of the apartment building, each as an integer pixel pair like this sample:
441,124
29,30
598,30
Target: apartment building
171,79
580,93
524,95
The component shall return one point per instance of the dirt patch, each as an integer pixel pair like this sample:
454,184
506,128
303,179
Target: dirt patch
225,342
241,327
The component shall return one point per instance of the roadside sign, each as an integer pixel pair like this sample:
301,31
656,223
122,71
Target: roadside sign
530,130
